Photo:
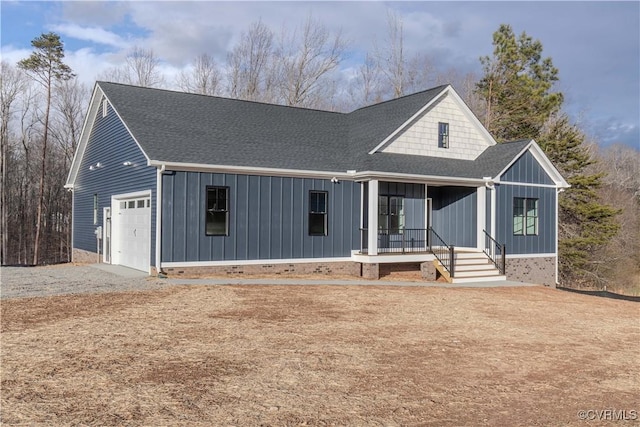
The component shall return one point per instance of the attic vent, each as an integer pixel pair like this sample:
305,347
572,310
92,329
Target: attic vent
104,107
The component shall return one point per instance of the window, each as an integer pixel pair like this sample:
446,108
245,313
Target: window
525,216
391,214
217,221
318,213
104,108
443,135
95,209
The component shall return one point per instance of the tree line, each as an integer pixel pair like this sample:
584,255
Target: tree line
43,105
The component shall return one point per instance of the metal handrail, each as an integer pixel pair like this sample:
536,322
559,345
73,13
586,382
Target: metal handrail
492,249
443,252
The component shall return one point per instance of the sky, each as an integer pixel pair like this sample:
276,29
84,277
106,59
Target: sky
595,45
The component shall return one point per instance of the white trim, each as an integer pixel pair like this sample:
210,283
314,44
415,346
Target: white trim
556,239
372,217
449,90
127,196
159,219
249,170
481,217
84,137
104,235
391,258
86,133
525,184
414,178
361,209
251,262
134,195
542,160
550,255
494,196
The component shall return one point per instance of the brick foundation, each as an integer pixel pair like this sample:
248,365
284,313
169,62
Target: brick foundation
311,268
81,256
533,270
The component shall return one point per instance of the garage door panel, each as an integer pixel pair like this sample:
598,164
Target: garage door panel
132,233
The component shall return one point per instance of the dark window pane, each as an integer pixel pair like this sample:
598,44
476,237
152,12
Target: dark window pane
217,217
317,224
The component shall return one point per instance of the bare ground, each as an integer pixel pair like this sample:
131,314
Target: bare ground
318,355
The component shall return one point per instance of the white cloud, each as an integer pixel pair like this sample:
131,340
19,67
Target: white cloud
90,34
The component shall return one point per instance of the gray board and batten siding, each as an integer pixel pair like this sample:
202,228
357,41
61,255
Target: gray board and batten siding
110,144
453,209
268,218
527,170
454,214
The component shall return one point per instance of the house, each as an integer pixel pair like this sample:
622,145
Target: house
172,182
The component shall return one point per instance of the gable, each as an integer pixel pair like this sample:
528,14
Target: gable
467,139
527,170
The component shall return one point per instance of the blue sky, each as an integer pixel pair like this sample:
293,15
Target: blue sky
595,45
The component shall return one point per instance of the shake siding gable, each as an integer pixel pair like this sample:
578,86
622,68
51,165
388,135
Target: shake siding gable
421,137
268,218
109,144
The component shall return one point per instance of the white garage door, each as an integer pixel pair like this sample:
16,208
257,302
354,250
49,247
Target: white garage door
131,232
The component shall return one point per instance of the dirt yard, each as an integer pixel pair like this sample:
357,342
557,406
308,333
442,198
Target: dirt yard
319,355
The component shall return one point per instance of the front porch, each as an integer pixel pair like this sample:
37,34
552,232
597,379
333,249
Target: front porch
440,223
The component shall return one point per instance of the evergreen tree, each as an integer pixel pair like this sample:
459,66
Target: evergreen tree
45,66
516,87
585,223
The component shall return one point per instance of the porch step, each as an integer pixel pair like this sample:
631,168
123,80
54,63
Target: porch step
472,267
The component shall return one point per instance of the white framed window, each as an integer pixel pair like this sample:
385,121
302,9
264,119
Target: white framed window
105,108
443,135
525,216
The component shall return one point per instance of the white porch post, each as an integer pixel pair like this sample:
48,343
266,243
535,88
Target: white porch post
372,230
482,215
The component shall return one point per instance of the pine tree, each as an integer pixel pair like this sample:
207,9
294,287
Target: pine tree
585,223
516,87
45,66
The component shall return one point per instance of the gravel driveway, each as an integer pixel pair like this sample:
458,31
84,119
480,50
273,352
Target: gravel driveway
64,279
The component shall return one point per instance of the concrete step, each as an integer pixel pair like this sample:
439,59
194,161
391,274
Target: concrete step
475,267
479,279
476,273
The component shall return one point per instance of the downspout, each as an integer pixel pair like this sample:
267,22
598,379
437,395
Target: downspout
159,172
558,191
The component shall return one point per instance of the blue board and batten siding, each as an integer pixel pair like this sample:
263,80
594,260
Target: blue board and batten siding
268,218
109,144
454,214
527,170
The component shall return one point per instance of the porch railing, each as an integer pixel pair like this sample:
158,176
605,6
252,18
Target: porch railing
496,252
404,240
443,252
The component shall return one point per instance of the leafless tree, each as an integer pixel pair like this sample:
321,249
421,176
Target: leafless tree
141,68
306,58
12,83
204,78
250,65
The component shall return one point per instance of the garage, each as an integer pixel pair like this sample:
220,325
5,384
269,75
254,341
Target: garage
131,231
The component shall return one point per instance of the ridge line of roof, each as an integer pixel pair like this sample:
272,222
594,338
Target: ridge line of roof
179,92
441,87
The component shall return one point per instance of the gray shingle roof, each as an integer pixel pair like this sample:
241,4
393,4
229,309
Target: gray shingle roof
186,128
